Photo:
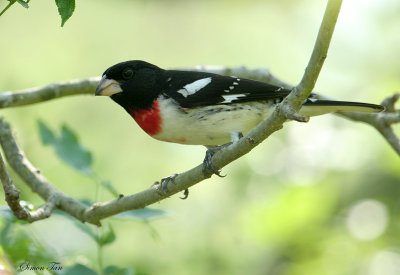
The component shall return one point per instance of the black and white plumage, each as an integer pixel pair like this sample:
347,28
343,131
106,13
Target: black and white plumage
190,107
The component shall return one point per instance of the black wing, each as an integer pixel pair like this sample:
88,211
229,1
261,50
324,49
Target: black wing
194,89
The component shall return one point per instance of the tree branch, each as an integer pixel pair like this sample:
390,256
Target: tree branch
11,193
12,197
98,211
292,103
34,179
51,91
382,121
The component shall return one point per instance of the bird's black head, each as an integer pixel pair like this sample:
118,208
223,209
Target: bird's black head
132,84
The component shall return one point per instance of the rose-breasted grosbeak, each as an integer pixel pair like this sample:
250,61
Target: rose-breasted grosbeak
201,108
191,107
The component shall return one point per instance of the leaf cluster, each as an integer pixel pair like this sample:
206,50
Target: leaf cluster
65,8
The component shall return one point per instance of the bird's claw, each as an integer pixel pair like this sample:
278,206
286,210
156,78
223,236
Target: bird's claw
185,194
162,186
208,167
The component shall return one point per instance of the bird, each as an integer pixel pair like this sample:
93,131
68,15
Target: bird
202,108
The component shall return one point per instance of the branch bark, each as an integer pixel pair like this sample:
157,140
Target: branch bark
382,121
51,91
34,179
98,211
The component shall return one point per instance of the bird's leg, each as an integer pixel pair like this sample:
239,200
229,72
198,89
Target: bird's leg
208,167
162,187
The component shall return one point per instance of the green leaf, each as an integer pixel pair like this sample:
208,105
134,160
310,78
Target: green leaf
78,269
144,214
65,9
20,245
67,147
107,236
115,270
102,237
73,153
46,134
24,3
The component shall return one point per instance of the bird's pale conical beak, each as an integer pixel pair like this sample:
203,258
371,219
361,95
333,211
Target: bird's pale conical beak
108,87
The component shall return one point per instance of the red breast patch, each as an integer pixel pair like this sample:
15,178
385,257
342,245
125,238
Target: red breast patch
148,119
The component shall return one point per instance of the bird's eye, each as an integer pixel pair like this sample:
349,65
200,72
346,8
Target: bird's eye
127,73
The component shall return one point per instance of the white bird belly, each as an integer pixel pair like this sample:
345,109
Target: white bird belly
210,125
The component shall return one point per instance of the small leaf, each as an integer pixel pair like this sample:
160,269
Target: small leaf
46,134
65,9
144,214
23,3
73,153
115,270
107,236
67,135
78,269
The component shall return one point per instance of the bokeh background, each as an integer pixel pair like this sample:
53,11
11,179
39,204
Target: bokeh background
316,198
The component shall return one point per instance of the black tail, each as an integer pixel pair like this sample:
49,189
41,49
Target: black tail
315,107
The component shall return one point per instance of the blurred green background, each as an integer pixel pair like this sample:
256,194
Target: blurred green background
316,198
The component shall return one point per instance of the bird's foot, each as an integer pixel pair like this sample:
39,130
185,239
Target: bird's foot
208,167
162,186
185,194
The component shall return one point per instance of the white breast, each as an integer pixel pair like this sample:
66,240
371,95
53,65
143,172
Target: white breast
211,125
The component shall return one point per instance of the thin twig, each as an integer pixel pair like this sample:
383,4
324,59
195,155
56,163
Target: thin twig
12,197
51,91
44,211
34,179
12,2
382,121
11,193
292,103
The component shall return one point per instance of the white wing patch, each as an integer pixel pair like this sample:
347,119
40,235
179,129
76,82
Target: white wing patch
194,87
230,98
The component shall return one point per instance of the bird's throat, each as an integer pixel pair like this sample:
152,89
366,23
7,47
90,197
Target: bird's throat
149,119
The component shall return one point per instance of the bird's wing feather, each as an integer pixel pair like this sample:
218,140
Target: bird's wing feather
194,89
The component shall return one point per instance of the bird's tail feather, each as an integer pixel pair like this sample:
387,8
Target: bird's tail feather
319,107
